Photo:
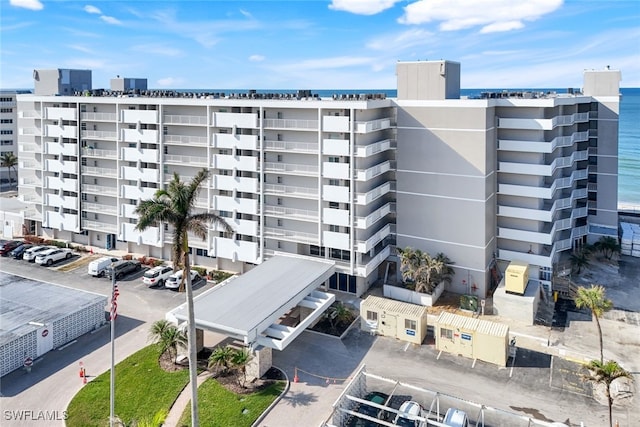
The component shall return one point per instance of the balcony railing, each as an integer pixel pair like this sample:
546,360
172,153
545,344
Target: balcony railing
189,160
291,190
293,213
98,134
99,189
300,147
99,117
286,234
27,147
104,154
290,124
91,170
171,119
185,139
99,207
99,226
291,167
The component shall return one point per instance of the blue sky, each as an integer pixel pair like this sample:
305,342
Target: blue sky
339,44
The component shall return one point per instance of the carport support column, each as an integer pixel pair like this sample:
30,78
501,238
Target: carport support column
199,340
261,362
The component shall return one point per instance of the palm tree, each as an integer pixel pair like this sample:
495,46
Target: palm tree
608,246
595,300
447,271
606,373
221,358
240,359
423,270
174,205
579,261
169,337
339,313
9,160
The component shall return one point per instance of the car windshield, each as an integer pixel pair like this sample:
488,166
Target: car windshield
151,274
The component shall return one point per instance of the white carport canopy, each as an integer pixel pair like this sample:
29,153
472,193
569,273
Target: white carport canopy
248,306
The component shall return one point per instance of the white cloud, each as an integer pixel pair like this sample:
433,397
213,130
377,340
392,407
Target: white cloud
110,20
92,9
491,15
246,14
27,4
169,81
157,49
328,63
80,48
256,58
400,41
362,7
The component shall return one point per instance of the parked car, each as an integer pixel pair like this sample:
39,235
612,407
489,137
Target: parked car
173,281
8,245
122,268
31,253
50,256
98,267
19,251
456,418
408,413
157,275
371,411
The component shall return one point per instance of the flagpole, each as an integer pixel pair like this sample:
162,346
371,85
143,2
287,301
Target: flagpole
113,329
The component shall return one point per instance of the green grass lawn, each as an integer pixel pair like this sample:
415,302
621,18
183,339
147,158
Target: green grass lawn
142,389
220,407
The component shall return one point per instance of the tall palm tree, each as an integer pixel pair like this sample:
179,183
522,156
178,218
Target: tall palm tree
579,261
595,300
606,373
425,271
9,160
608,246
447,271
174,205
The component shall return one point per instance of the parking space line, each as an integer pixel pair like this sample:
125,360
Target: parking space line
473,365
407,346
439,354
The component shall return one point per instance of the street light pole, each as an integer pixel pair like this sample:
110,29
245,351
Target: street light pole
112,395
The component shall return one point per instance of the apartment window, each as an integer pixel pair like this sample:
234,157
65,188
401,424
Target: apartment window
6,120
6,132
334,228
165,130
6,142
202,252
3,153
279,179
335,182
279,200
6,100
84,197
279,245
6,110
334,159
446,333
279,137
316,250
279,157
83,215
372,316
343,282
410,324
279,222
83,126
279,114
334,205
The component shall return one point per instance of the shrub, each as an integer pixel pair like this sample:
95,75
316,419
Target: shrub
219,276
143,260
127,257
201,270
157,262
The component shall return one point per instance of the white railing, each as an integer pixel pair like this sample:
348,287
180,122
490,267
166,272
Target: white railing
93,152
191,160
186,139
27,147
99,189
284,233
372,172
290,124
91,170
30,164
201,202
371,149
101,226
99,207
290,167
307,147
370,196
172,119
291,212
290,189
30,181
366,245
101,134
99,117
30,197
30,114
30,131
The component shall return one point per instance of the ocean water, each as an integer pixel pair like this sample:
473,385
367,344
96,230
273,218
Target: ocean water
629,131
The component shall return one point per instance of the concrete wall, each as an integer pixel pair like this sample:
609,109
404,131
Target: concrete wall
446,186
61,81
428,80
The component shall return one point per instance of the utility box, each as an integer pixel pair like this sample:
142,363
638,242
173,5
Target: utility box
473,338
516,277
391,318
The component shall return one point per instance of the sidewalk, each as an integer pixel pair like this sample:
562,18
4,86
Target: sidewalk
183,401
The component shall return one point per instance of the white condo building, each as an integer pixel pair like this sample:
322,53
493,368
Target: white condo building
523,176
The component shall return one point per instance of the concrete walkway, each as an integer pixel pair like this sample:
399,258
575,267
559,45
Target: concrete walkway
183,401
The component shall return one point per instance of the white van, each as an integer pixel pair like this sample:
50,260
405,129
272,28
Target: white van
98,267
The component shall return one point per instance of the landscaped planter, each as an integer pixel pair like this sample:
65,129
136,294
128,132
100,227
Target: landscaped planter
407,295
